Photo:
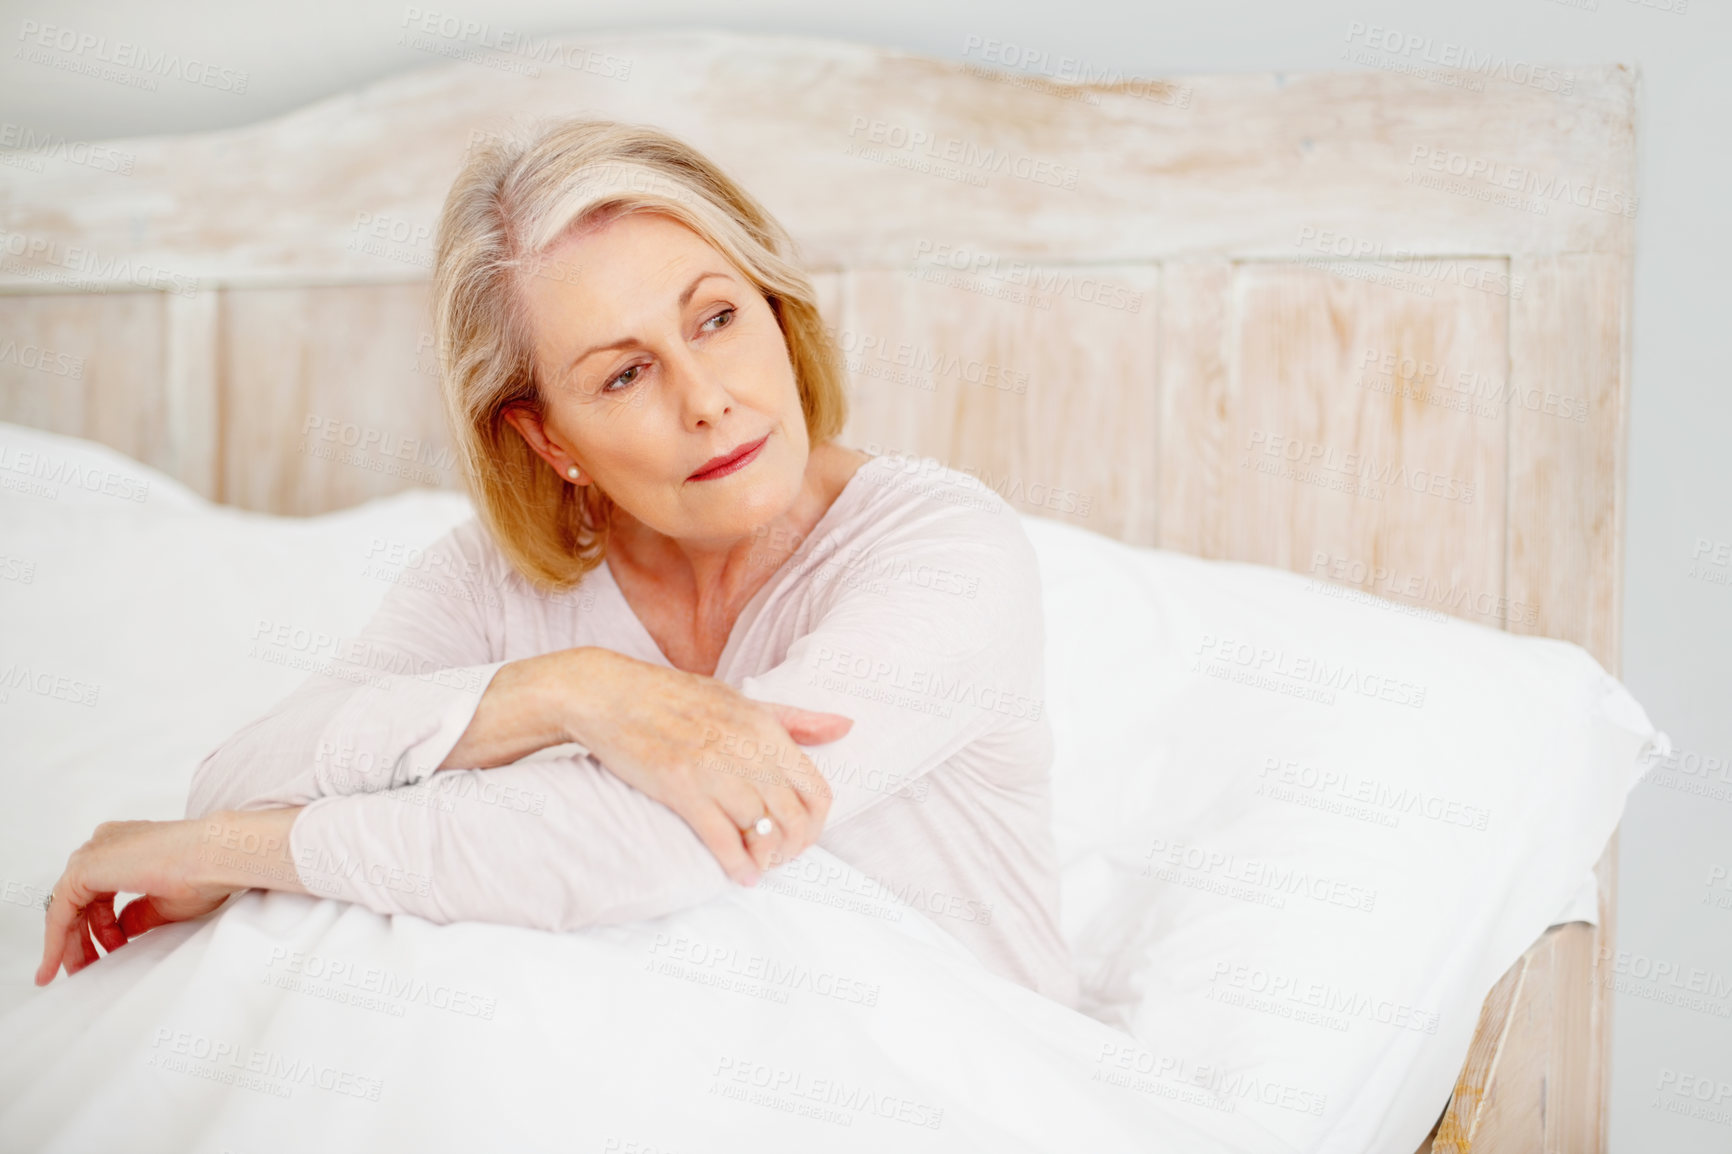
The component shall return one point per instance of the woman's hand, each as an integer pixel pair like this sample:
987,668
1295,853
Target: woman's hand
718,759
159,860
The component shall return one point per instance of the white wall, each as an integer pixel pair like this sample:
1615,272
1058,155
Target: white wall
1678,620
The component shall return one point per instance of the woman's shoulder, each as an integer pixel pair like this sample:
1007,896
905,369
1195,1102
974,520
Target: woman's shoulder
934,560
466,551
918,502
916,522
469,554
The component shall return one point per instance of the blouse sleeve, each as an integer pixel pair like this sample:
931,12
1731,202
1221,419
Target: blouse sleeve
937,642
934,656
555,843
381,709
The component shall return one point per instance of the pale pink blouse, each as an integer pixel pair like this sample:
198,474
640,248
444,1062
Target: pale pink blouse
913,607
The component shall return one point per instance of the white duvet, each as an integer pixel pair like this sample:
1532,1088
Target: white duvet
764,1021
812,1013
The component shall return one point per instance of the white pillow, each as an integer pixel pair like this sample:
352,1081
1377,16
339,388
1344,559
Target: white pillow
73,473
1308,832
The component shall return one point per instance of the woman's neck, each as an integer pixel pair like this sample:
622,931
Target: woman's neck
689,598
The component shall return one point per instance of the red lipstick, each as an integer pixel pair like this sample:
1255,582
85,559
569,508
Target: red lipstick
729,462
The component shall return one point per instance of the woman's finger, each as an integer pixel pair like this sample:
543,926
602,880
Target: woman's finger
53,945
814,790
808,726
788,811
722,836
74,959
744,805
768,850
777,798
793,790
71,955
57,934
100,914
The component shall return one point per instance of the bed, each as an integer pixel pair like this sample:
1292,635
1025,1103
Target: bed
1367,326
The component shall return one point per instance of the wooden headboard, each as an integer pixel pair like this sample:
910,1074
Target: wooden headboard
1369,326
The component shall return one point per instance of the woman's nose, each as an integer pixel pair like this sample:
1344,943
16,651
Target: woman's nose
702,393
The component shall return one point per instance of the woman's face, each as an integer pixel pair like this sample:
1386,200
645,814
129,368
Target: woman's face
656,356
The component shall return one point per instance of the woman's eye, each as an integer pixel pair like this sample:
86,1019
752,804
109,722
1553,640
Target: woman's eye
625,379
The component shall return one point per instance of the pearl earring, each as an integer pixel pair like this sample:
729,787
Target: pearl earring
571,471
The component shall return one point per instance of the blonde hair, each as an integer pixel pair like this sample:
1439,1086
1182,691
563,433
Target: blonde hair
517,195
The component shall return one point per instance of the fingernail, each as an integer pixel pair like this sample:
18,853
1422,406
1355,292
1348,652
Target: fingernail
752,878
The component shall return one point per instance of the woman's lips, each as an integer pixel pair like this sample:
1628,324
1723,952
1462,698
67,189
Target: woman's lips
733,464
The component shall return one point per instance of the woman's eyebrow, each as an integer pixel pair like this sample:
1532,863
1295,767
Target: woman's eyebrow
626,342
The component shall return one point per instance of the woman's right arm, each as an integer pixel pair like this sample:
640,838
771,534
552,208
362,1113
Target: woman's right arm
388,705
922,669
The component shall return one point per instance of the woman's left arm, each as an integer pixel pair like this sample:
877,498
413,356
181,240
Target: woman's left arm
936,641
183,869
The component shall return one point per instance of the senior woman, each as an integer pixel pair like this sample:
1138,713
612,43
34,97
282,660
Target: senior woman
675,571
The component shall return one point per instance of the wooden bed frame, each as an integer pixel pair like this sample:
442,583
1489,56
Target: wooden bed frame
1110,302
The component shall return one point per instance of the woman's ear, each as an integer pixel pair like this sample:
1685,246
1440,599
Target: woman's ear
528,424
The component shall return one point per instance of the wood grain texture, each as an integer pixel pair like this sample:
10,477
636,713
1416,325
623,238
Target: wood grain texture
1535,1086
1479,1089
1291,444
1198,392
1596,1072
1046,389
105,356
332,398
1549,1046
1569,412
939,151
191,386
